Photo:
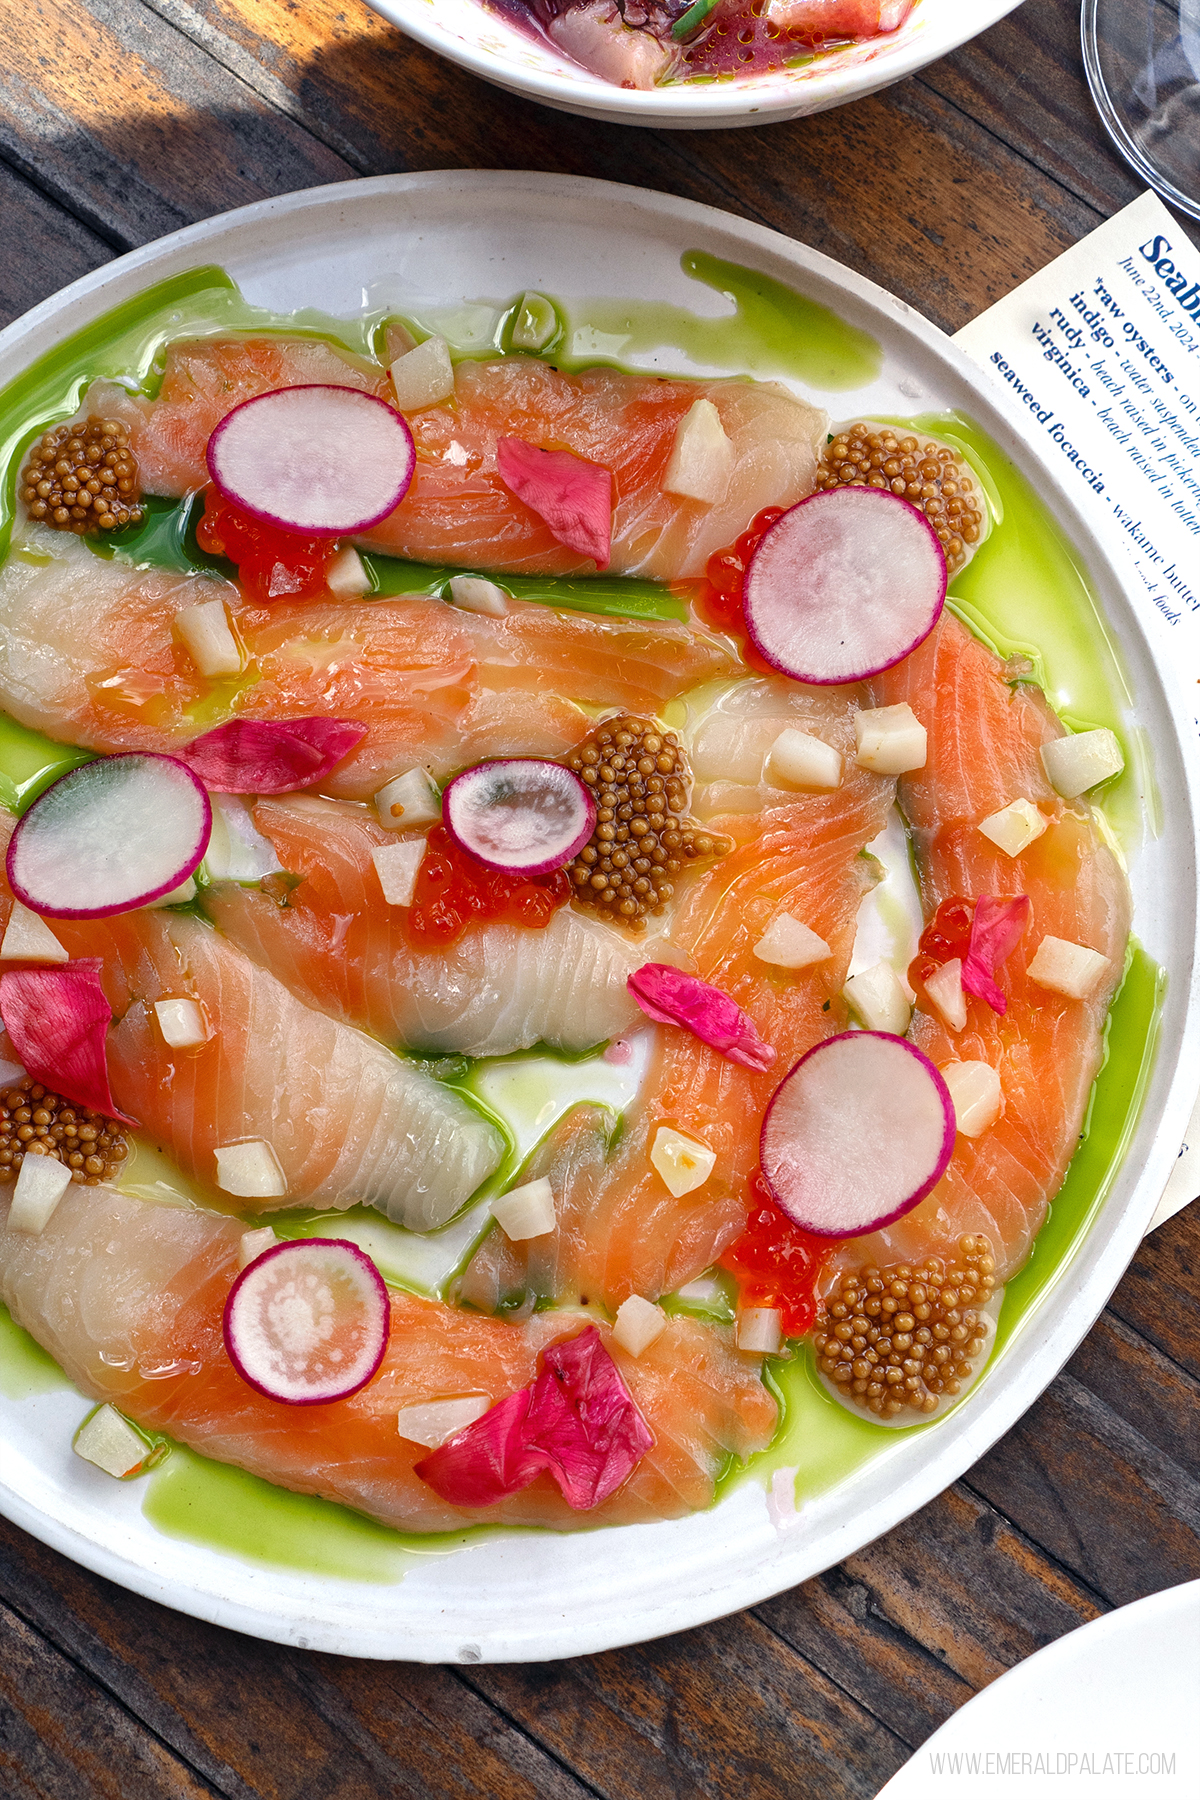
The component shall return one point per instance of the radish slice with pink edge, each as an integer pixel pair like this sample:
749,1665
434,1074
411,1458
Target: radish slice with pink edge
520,814
114,834
859,1131
325,461
307,1322
844,585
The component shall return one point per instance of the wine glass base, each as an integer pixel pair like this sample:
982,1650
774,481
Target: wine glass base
1142,60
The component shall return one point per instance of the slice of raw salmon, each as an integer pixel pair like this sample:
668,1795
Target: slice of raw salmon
128,1298
986,728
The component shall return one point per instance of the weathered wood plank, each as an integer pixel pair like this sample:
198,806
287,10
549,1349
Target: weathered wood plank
63,1738
54,247
917,1622
1159,1294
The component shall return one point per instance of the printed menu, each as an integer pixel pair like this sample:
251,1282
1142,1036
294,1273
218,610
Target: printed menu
1102,348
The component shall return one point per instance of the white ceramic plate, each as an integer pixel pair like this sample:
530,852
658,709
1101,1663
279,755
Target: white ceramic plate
483,40
465,236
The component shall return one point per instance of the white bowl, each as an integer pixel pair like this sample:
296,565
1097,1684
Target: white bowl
467,235
482,40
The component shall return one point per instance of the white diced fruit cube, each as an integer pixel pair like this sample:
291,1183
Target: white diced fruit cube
347,574
41,1184
1015,826
798,760
27,938
944,987
1066,968
253,1244
208,638
178,896
236,850
891,739
638,1323
107,1439
181,1023
701,461
1074,764
879,999
408,802
536,322
396,866
250,1170
526,1211
424,376
476,595
787,943
760,1330
431,1422
683,1163
977,1096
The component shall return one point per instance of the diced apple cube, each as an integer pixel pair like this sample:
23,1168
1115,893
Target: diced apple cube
638,1323
1077,762
878,997
701,460
476,595
787,943
977,1096
798,760
683,1163
107,1439
28,938
408,802
250,1170
431,1422
396,866
424,376
760,1330
182,1023
237,850
41,1184
535,324
348,574
891,739
526,1211
944,987
208,638
1066,968
1015,826
254,1244
178,896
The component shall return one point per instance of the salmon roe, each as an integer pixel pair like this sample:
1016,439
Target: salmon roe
453,888
725,578
272,564
946,937
777,1263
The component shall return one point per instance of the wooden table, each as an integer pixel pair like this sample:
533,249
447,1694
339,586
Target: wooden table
123,119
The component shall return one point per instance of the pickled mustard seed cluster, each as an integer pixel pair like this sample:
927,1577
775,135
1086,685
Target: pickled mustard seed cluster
35,1122
903,1337
83,478
640,779
932,477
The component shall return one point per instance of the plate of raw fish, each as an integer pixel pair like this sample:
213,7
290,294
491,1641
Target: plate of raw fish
598,918
693,63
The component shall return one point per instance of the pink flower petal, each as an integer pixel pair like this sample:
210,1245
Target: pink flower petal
673,998
573,497
57,1020
996,930
577,1420
261,756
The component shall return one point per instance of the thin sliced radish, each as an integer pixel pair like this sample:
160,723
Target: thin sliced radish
112,835
325,461
520,814
859,1131
845,584
307,1322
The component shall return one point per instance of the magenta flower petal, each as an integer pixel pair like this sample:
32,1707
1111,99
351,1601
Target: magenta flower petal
57,1020
262,756
996,929
573,497
673,998
577,1420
